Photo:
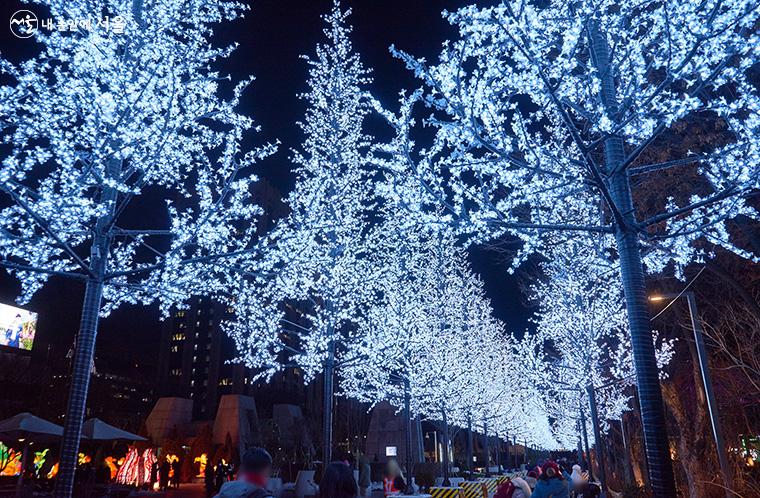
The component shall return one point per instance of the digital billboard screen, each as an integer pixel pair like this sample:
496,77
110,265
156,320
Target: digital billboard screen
17,327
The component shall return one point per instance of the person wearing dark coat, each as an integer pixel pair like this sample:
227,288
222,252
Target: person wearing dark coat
208,481
253,477
221,475
365,473
338,482
175,472
163,475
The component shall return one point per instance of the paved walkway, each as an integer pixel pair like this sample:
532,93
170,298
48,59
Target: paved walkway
187,490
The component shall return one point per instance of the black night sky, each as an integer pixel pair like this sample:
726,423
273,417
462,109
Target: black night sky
271,38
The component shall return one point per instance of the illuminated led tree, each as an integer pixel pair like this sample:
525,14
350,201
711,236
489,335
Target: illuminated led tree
585,345
544,118
124,168
430,343
321,255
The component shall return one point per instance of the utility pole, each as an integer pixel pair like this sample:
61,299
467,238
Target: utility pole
704,370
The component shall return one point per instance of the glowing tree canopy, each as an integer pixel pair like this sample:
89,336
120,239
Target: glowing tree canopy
543,116
581,346
320,252
124,167
431,336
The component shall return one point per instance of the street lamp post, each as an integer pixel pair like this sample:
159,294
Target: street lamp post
704,370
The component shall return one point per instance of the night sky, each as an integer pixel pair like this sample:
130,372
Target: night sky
271,38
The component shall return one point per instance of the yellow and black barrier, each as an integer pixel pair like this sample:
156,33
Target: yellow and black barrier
474,489
438,492
491,484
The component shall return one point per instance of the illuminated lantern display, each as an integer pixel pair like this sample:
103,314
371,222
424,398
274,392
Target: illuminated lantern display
149,458
201,461
130,470
113,465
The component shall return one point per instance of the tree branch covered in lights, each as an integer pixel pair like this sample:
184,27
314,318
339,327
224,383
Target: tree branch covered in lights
125,168
581,328
542,114
98,121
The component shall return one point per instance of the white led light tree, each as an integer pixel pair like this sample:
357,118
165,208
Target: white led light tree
544,118
122,168
585,347
320,251
430,342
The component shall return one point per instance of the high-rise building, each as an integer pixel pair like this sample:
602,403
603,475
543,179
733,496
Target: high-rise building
195,354
194,358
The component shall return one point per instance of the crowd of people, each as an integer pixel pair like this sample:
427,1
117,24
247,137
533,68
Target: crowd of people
256,468
546,479
549,479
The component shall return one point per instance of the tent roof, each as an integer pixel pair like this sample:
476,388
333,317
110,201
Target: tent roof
96,429
25,425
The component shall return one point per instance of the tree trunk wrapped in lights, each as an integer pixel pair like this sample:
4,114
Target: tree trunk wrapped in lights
543,115
99,121
305,315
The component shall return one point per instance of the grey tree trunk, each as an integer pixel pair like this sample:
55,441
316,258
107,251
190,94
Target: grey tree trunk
584,432
632,274
469,447
84,347
327,407
407,430
628,477
445,435
497,456
598,439
486,452
509,461
420,441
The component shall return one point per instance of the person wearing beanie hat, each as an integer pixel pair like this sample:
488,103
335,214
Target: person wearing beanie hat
524,489
576,477
551,483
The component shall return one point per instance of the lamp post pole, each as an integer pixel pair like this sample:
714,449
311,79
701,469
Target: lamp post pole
704,370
